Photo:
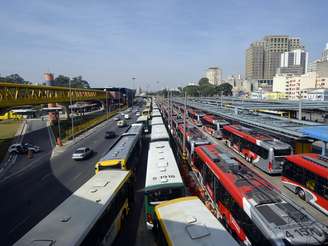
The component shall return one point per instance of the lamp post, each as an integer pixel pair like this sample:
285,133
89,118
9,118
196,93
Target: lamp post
71,104
106,103
133,79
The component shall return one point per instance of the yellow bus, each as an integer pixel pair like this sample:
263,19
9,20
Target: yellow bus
125,151
92,215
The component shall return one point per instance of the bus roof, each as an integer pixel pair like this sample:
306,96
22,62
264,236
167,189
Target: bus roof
122,148
159,132
157,121
134,129
162,168
156,113
70,222
313,162
142,118
186,221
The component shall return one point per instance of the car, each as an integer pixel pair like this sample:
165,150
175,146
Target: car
126,116
122,123
17,149
110,134
33,148
82,153
116,118
137,113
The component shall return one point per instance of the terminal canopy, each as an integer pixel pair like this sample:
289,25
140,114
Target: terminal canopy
316,132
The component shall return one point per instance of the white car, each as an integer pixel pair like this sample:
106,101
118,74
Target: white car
126,116
137,113
82,153
122,123
23,148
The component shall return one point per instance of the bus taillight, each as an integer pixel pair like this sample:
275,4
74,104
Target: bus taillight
149,218
270,166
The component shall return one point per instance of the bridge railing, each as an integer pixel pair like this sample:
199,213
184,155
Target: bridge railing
12,95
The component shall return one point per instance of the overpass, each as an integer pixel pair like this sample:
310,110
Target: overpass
13,95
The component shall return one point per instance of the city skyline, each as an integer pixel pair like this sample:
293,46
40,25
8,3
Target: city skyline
170,42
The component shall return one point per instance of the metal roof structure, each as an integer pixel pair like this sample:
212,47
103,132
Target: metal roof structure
70,222
162,168
188,222
262,104
270,123
317,132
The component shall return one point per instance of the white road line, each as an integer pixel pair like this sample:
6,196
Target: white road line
19,224
45,176
77,176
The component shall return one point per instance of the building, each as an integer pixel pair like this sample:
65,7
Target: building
263,57
214,75
254,65
315,94
293,62
324,56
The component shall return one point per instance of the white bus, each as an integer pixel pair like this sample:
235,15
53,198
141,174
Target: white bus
159,133
187,221
92,215
163,179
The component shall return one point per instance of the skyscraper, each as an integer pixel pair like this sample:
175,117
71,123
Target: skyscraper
293,62
214,75
324,56
263,57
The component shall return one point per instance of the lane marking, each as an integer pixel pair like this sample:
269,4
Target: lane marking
77,176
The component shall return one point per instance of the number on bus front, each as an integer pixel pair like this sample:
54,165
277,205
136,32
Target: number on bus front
304,232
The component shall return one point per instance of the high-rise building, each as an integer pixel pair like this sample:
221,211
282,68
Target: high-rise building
263,57
293,62
324,56
255,61
214,75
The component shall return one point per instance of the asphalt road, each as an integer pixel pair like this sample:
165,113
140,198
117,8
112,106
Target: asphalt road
29,196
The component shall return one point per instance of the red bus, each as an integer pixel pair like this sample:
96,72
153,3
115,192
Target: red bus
194,137
213,125
261,150
196,116
249,206
307,176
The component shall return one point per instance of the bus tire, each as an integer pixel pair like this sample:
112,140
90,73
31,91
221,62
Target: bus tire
300,192
251,160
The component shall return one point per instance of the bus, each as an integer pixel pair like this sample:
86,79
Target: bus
187,221
159,133
213,125
307,176
143,119
196,116
92,215
125,151
253,209
156,113
163,179
157,121
146,112
194,137
261,150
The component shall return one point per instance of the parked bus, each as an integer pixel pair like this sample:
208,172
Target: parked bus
194,137
92,215
253,209
125,151
163,179
157,121
187,221
263,151
145,122
213,125
196,116
159,133
307,176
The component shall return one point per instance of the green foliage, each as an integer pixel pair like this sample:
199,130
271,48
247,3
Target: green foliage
76,82
225,88
204,81
13,78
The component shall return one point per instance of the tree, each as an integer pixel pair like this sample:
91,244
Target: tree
204,81
61,80
13,78
192,90
225,88
78,82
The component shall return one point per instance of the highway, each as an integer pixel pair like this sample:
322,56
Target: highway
47,179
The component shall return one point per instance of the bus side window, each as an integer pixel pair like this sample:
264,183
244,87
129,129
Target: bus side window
322,187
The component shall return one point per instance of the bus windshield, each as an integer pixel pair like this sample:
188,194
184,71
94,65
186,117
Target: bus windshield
161,195
282,152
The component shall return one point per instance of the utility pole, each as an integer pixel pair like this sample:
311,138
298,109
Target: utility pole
71,103
133,79
107,106
300,109
184,127
171,112
221,99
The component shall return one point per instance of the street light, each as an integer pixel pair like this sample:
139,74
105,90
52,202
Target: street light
71,104
133,79
107,106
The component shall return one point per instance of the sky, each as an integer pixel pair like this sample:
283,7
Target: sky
108,42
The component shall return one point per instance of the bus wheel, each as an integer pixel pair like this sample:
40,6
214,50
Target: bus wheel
300,192
251,160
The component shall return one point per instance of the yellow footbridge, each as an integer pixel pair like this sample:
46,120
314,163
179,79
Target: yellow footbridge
12,95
